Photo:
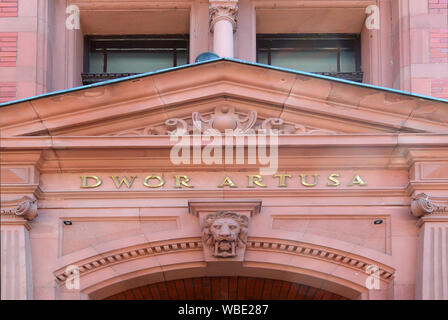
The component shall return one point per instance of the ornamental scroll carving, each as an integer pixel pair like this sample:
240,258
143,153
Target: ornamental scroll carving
25,207
422,205
225,232
222,118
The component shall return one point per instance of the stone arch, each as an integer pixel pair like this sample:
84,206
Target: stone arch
111,271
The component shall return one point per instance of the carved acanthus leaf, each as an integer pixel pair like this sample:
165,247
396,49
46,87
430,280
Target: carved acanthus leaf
223,10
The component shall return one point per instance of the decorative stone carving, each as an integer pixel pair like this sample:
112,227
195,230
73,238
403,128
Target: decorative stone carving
421,206
25,207
278,126
222,118
227,10
224,232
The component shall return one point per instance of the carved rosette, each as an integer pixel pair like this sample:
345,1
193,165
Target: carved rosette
225,232
422,206
223,10
25,207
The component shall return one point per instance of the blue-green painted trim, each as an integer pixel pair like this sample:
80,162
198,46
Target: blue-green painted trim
141,75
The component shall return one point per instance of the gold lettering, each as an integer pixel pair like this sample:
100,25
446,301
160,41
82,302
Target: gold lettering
304,180
161,181
255,179
282,180
123,180
182,181
357,180
334,179
227,183
84,183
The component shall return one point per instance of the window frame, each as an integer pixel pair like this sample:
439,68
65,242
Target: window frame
317,41
108,43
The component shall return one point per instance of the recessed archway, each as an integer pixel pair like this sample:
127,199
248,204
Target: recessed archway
226,288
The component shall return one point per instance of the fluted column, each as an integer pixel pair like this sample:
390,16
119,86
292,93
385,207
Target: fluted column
16,276
432,269
223,19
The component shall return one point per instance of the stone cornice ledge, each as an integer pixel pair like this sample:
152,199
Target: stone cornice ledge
342,140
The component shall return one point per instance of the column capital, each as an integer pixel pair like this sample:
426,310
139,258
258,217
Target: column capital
24,208
223,10
429,209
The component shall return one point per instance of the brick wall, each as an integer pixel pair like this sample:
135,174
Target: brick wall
8,49
439,45
8,8
8,58
7,91
439,88
439,54
438,6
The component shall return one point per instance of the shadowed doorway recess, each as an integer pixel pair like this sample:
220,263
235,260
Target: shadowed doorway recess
225,288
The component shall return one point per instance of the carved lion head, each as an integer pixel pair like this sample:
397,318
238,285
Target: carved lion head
224,231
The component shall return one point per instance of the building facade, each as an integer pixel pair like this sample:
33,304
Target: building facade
224,149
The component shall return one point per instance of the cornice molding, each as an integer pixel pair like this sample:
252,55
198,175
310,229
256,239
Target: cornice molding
399,193
252,207
142,142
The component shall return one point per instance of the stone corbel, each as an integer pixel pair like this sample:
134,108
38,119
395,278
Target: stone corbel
425,207
25,208
224,227
422,205
223,10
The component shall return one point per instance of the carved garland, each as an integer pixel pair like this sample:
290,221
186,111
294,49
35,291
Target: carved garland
297,248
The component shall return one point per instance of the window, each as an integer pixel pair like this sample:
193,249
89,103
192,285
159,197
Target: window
110,57
337,55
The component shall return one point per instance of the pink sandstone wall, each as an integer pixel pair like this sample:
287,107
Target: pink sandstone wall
46,159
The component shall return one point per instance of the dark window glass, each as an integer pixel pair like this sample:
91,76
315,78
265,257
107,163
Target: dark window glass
108,57
331,54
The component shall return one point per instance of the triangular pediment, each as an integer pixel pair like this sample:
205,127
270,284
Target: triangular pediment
224,94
